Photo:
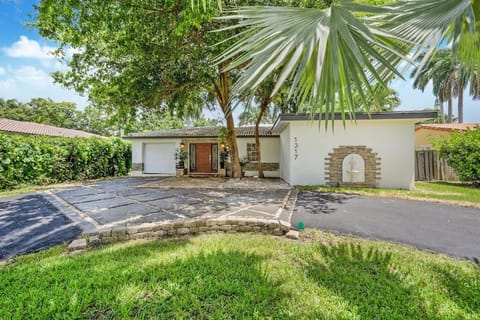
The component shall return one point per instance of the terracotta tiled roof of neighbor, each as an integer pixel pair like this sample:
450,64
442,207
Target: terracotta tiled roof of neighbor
448,126
42,129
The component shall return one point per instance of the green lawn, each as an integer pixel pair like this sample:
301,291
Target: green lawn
237,276
26,188
454,193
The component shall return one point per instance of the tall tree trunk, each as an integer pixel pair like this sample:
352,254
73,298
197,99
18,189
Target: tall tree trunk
223,99
263,106
450,109
460,105
442,112
233,147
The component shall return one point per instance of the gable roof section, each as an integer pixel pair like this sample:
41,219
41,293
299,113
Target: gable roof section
26,127
448,126
201,132
393,115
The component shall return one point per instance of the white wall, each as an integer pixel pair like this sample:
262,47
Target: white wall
138,154
392,140
285,156
270,148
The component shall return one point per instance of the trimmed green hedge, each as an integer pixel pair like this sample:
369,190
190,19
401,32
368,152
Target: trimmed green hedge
38,160
462,152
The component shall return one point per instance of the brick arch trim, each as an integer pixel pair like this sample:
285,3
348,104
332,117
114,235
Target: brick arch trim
334,163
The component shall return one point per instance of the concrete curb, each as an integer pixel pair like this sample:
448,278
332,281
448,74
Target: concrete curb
169,229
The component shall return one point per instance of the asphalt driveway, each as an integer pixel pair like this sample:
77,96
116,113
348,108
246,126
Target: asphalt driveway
30,223
130,201
442,228
37,221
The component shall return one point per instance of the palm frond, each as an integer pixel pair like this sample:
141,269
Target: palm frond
430,24
326,55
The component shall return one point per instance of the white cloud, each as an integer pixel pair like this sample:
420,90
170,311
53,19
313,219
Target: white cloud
31,49
31,74
27,82
2,71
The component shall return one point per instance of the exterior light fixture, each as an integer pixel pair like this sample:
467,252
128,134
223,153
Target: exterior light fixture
222,145
182,145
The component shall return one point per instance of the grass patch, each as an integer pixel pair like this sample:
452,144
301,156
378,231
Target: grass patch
452,193
28,188
237,276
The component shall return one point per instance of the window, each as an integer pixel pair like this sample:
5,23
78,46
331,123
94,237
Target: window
252,152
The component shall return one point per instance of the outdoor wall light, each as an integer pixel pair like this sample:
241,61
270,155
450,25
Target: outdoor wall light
182,145
222,145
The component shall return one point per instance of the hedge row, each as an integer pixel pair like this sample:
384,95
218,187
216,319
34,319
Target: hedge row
43,160
462,151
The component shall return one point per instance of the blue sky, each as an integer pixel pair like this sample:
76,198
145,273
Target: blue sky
25,66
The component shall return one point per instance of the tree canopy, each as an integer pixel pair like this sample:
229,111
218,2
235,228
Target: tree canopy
138,55
92,119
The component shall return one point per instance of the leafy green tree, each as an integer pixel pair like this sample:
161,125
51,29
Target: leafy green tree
96,120
60,114
132,56
202,121
152,120
13,109
250,115
462,152
387,99
261,106
39,110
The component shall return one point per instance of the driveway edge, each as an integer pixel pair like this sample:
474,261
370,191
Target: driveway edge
162,230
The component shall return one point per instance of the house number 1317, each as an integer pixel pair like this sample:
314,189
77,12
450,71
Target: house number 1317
295,148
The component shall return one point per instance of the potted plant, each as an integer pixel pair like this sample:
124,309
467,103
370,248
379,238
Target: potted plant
181,156
243,162
223,158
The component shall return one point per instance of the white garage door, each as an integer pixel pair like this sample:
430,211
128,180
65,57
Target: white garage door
159,158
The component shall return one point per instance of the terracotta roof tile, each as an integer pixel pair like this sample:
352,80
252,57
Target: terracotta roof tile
41,129
247,131
447,126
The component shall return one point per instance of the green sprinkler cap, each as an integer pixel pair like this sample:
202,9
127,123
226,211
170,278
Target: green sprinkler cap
301,225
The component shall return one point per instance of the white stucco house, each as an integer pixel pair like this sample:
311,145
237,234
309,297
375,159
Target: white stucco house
375,150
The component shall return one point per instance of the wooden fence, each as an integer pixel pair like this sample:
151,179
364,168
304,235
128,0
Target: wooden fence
429,166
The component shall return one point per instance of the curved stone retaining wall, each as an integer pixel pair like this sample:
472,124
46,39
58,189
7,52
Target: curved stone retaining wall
186,227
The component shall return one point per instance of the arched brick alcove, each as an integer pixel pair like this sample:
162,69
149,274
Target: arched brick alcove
334,166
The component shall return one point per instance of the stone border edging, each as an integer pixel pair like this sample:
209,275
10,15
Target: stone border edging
162,230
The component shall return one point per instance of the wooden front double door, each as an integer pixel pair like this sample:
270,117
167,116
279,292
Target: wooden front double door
204,157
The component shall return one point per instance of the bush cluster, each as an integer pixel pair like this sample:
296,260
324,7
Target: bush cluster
462,152
44,160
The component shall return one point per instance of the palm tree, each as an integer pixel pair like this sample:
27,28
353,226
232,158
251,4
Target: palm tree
437,71
386,100
348,47
475,83
450,77
459,79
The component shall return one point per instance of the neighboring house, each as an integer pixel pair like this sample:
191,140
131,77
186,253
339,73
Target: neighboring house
425,132
25,127
375,151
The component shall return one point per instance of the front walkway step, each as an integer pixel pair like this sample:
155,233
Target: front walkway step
79,244
293,234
